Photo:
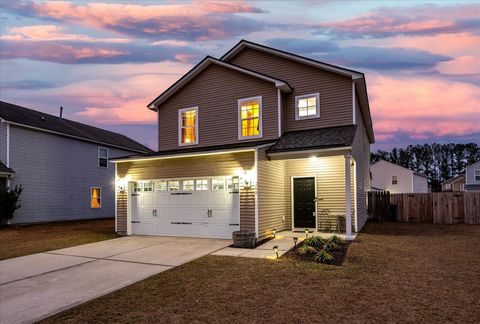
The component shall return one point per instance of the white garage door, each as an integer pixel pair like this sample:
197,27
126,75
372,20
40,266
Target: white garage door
198,207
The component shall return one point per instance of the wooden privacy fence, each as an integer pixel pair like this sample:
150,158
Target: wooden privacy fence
436,208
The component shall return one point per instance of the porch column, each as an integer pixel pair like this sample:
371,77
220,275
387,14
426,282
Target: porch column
348,193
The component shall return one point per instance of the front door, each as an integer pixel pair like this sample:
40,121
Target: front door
304,202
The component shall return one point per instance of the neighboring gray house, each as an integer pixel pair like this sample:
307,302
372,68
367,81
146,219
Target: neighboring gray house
397,179
61,164
472,174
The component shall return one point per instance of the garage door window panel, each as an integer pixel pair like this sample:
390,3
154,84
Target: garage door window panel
201,184
188,185
173,185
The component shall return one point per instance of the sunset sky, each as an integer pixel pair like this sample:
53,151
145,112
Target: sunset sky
104,61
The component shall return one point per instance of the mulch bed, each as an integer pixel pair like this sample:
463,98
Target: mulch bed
265,240
338,255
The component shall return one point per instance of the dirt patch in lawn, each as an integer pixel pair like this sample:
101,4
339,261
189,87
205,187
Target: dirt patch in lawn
422,274
22,240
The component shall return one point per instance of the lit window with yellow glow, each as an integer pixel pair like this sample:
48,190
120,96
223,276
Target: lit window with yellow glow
250,117
307,106
188,124
96,198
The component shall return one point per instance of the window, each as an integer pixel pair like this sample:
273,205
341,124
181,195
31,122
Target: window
148,186
96,197
218,184
102,157
173,185
201,184
250,117
188,185
476,175
161,185
233,184
448,186
307,106
188,126
394,180
137,187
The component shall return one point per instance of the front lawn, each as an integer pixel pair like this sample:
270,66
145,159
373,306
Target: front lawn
17,241
392,273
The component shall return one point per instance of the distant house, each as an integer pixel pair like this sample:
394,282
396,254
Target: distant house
472,177
397,179
456,183
61,164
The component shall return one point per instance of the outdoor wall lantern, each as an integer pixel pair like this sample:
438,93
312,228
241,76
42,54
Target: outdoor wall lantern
121,184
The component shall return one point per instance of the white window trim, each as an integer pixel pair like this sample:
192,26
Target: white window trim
91,196
98,156
180,126
297,98
448,186
396,179
239,118
475,172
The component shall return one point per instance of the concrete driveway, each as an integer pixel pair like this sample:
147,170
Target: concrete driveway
39,285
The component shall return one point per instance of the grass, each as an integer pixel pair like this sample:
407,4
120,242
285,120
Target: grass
392,273
17,240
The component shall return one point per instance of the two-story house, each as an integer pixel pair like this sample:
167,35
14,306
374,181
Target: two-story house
258,140
397,179
472,177
62,165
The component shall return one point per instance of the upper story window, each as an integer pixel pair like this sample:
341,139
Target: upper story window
188,126
476,175
307,106
250,118
102,157
394,180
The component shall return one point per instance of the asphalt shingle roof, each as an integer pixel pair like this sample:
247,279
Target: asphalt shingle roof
4,169
37,119
340,136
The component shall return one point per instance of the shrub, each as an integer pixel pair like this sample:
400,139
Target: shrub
9,203
323,256
314,241
307,250
330,246
334,239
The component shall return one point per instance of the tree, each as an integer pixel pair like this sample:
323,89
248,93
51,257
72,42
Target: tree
9,202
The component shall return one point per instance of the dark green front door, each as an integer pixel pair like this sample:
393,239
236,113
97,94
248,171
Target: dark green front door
304,202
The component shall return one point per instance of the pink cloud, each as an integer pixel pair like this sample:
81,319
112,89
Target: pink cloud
199,20
52,33
415,20
423,106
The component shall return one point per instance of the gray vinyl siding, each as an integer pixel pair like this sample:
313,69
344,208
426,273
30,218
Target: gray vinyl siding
57,173
361,154
420,184
3,142
470,173
216,91
335,90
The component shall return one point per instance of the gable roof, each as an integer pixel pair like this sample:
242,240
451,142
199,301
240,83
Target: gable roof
207,61
456,178
357,77
21,116
399,166
473,164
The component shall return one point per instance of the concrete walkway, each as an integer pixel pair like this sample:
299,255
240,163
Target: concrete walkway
39,285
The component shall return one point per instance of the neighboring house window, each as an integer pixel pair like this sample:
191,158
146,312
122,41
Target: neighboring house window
448,186
476,175
394,180
188,126
250,117
102,157
96,197
188,185
307,106
201,184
